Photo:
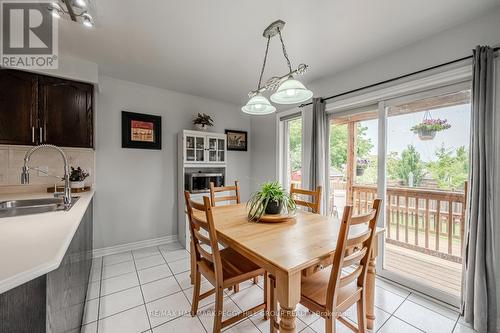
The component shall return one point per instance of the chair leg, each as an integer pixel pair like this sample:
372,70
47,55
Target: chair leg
219,294
330,325
272,311
361,305
256,280
236,288
266,296
196,293
193,263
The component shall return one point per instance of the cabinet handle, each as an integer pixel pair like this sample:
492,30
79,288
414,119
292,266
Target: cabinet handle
41,134
33,134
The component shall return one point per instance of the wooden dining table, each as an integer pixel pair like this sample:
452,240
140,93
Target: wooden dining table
288,250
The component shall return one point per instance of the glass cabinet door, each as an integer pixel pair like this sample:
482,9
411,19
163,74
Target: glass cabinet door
200,149
221,143
190,151
212,149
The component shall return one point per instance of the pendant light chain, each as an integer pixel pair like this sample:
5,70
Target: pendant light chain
264,64
284,51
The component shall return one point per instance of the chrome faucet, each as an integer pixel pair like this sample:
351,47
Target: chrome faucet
25,176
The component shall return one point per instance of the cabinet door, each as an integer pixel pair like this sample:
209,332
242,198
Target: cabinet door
66,112
18,100
216,149
194,148
212,149
221,150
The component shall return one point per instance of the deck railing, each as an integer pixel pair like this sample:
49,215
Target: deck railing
425,220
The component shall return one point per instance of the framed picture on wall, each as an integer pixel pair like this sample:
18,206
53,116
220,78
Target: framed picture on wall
237,140
141,131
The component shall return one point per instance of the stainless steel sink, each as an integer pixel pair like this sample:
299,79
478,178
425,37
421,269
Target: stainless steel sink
33,206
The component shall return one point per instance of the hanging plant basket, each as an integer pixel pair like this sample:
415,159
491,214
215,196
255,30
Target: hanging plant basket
361,166
425,134
428,128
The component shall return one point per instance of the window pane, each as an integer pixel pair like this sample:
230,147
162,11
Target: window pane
353,163
294,151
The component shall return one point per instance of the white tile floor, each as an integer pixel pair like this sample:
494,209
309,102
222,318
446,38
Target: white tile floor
149,290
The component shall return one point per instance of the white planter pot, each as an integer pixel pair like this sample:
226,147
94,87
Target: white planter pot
200,127
80,184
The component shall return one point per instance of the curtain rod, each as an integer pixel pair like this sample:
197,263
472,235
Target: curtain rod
396,78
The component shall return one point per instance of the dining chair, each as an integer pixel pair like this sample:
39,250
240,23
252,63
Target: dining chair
222,268
315,196
236,198
333,290
214,198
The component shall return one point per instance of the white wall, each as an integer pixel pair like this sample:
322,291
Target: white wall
448,45
72,68
136,197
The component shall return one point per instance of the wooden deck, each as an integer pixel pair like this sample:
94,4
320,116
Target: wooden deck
436,272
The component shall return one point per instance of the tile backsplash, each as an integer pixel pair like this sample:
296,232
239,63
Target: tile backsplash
12,160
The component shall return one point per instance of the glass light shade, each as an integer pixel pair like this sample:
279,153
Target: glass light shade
290,92
258,105
80,3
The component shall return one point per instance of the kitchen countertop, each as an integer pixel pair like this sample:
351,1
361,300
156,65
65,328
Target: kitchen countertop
33,245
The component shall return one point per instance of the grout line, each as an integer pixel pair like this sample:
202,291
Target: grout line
424,306
119,291
140,288
394,315
182,290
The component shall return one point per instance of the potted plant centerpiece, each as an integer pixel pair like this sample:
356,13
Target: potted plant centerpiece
203,121
361,165
77,178
428,128
270,199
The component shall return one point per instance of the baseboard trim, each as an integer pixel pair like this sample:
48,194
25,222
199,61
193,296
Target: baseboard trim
106,251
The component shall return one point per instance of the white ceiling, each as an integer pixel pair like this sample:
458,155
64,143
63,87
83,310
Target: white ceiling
214,48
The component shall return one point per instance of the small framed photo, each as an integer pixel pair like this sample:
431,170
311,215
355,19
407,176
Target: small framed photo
237,140
141,131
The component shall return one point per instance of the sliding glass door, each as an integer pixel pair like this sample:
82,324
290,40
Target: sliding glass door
413,152
427,167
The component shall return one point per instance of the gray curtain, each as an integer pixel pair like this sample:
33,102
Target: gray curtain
319,151
479,294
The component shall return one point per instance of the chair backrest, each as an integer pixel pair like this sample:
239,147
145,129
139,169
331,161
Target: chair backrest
214,190
354,251
315,197
200,241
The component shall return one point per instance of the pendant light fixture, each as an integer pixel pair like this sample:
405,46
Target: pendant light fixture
74,10
288,90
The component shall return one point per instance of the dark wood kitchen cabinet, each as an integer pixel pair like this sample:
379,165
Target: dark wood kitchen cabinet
18,107
36,109
66,109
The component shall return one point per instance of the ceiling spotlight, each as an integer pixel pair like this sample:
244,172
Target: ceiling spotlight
87,20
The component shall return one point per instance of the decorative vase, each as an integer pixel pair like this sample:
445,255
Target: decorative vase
77,185
360,171
425,135
200,127
273,207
